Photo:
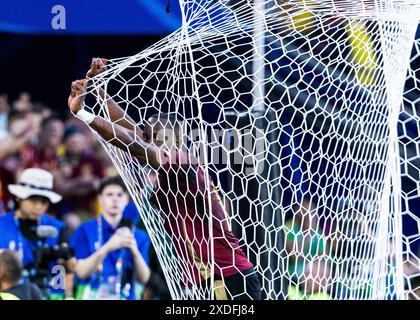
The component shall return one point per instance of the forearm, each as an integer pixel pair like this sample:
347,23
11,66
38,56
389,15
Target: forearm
85,267
116,113
113,133
142,271
126,140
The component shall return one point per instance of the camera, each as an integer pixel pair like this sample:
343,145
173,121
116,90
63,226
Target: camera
45,256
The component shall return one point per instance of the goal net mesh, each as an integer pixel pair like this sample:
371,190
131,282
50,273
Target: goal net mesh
303,118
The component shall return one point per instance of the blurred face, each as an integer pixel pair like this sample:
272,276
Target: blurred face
75,144
113,200
52,134
154,132
32,207
35,120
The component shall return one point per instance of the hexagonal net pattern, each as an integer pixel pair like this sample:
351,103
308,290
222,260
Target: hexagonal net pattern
282,134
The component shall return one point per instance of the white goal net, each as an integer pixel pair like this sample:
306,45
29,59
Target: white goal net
299,125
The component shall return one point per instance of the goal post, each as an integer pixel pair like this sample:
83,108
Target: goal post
301,118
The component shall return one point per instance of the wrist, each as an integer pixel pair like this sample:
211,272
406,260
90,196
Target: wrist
85,116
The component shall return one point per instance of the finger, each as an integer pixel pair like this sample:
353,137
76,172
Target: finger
74,88
102,62
83,84
96,64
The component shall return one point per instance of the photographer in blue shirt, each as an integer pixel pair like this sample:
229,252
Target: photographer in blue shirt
112,254
41,241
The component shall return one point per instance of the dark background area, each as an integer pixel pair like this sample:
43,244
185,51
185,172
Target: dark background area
45,65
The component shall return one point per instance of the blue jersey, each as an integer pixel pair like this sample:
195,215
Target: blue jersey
11,237
93,234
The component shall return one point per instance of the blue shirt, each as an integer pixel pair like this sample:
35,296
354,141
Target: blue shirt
11,238
85,242
131,213
10,235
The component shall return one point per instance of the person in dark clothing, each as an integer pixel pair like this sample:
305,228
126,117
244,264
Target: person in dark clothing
10,274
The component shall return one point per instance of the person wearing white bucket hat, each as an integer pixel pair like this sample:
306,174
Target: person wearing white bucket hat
20,228
35,182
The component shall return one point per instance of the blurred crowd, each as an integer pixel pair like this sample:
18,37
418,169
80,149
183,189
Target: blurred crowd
68,228
34,136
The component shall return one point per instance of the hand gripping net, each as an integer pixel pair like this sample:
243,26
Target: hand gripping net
303,117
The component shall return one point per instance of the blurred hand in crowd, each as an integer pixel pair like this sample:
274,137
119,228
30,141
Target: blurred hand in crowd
21,129
122,238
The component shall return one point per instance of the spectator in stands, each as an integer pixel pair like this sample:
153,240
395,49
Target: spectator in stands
43,110
78,176
20,131
10,275
92,144
23,103
20,228
46,152
111,253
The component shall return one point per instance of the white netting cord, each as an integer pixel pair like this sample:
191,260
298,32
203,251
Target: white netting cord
395,78
296,125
